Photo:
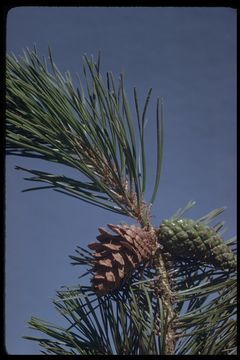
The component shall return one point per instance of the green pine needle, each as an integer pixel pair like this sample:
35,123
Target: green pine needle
47,118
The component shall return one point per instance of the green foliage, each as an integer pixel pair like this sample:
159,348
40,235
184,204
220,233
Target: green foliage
47,118
132,321
91,129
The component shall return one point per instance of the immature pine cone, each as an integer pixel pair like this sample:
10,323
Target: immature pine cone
116,256
185,238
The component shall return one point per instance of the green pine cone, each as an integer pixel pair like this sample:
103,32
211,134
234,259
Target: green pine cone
185,238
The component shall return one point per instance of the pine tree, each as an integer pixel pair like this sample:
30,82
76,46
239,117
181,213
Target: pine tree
160,290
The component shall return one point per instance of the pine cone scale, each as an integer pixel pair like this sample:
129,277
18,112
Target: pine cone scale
119,259
106,262
111,246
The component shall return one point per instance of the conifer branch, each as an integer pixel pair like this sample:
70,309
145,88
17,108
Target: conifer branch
47,118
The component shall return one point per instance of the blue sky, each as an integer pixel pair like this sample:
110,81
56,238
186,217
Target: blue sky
188,56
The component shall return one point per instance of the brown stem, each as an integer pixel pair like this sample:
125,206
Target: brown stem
163,290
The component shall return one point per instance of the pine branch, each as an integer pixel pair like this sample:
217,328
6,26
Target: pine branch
170,304
181,307
196,315
47,118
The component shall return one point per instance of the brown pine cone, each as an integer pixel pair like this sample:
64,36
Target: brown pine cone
117,256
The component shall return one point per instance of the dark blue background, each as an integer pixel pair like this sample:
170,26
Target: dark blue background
188,56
